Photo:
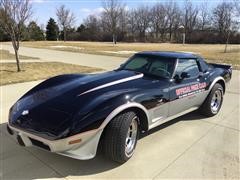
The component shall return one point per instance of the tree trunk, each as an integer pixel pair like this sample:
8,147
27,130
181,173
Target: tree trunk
142,36
162,36
64,34
16,48
157,35
17,60
170,34
114,39
225,49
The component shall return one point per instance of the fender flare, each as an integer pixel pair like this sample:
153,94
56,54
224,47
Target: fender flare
219,78
94,142
120,109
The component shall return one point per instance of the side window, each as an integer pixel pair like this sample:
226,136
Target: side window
203,64
187,65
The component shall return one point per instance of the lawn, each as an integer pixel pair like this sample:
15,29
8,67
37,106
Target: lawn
38,71
212,52
6,55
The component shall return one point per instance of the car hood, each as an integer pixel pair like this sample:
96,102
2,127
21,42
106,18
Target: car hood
68,90
49,107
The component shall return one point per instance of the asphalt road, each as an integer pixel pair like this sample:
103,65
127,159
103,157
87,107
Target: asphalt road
191,146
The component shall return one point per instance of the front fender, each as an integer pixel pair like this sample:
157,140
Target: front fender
89,149
101,115
92,115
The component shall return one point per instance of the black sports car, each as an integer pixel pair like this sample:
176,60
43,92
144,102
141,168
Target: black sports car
74,114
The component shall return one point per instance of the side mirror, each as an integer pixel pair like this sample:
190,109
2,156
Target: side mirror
177,78
201,74
121,65
185,75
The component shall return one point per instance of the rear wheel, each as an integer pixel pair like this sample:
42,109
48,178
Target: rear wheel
213,103
120,137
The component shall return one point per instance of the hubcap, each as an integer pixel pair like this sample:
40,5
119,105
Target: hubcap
131,137
216,101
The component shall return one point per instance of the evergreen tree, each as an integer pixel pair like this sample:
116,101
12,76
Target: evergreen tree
34,32
52,30
24,36
81,28
3,35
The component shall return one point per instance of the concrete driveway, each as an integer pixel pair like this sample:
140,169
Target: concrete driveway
103,62
191,146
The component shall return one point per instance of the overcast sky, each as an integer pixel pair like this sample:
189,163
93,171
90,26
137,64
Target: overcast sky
44,9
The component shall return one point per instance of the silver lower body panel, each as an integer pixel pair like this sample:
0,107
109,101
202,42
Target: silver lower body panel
84,149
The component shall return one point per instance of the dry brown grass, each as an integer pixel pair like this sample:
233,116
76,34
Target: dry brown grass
212,52
38,70
6,55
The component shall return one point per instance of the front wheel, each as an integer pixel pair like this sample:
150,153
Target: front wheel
120,137
213,103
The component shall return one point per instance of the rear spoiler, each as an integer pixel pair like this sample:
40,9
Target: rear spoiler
227,68
223,66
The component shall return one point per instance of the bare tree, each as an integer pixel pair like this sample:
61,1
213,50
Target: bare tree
159,20
204,16
112,12
237,6
223,19
131,24
91,22
92,26
13,15
173,17
189,19
123,21
65,19
142,19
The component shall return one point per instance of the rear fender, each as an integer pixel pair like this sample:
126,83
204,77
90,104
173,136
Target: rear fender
219,80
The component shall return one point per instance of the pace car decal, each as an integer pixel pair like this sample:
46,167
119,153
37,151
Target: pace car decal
190,90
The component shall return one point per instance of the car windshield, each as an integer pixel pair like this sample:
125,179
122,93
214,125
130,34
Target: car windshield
151,65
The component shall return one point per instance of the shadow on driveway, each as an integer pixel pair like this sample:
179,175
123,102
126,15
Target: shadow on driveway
31,163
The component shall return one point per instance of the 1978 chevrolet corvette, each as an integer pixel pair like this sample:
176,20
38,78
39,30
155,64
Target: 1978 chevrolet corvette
76,113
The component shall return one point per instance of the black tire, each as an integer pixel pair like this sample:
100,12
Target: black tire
115,136
206,108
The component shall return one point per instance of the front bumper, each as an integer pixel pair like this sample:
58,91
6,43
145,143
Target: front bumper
80,146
